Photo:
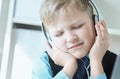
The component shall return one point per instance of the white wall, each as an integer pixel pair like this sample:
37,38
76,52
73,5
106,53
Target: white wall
115,44
29,44
110,10
0,5
0,26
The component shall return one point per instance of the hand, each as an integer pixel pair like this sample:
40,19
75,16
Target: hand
101,44
99,49
64,59
59,57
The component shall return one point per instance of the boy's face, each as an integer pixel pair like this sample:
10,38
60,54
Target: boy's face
73,32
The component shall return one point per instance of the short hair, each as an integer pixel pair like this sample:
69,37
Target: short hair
50,9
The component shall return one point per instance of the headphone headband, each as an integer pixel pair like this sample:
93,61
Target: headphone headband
97,12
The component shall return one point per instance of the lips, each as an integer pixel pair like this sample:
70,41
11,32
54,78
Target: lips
75,46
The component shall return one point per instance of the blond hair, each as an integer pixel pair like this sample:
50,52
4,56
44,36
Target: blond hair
50,9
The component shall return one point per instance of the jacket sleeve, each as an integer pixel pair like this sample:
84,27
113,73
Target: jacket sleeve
102,76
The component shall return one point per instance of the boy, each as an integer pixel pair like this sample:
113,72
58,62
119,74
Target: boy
79,47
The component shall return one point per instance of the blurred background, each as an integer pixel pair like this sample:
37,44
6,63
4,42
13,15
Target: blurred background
21,39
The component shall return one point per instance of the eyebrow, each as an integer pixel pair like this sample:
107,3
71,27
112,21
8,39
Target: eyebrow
77,23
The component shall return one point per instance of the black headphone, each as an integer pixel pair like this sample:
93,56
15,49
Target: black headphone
49,40
96,17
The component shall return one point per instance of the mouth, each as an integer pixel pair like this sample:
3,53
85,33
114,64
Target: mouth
76,46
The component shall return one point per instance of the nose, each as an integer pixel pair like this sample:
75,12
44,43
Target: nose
71,37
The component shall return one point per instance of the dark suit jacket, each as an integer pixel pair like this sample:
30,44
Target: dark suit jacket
107,62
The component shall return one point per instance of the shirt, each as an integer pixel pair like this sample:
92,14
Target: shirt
42,70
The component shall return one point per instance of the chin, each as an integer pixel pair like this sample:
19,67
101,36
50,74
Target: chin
79,55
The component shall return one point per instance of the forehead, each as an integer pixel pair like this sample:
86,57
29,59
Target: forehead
68,18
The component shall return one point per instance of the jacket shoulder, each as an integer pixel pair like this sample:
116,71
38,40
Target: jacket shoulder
108,63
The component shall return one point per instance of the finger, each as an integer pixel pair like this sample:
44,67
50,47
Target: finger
104,24
103,30
105,34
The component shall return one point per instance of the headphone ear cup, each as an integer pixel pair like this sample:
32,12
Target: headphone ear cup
49,40
94,19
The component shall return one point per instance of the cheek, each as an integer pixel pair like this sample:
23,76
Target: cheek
87,35
90,36
60,43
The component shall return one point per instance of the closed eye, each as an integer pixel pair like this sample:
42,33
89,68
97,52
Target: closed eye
58,34
77,27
